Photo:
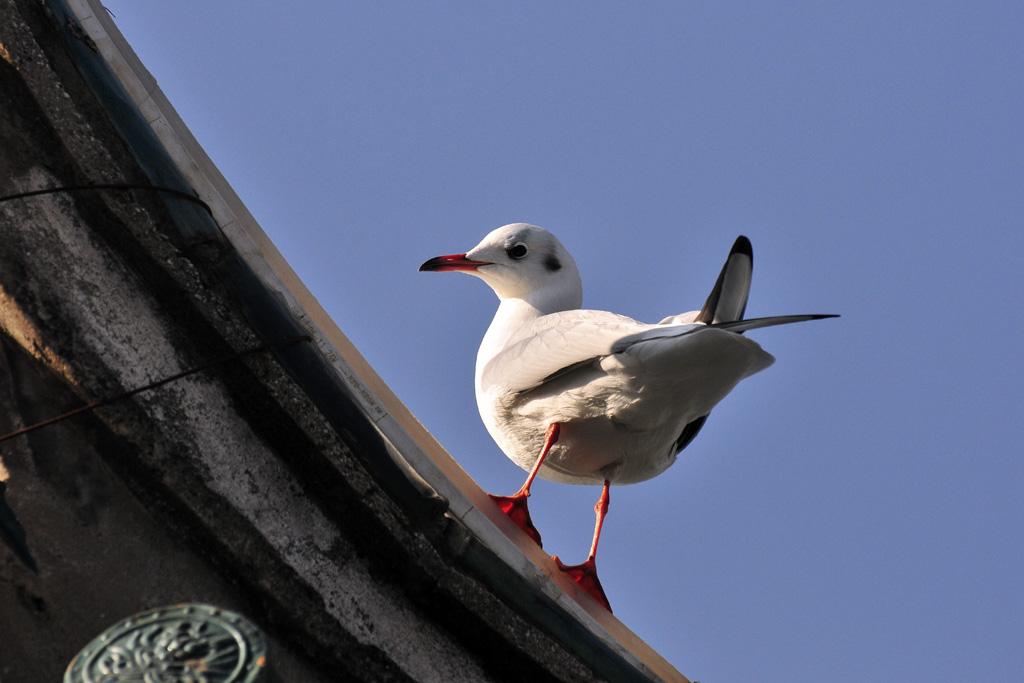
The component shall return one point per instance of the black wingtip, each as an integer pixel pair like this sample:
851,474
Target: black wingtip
742,246
740,326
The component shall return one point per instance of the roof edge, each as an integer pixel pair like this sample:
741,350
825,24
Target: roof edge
408,462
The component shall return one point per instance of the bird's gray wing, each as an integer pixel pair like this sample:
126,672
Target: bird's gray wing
556,344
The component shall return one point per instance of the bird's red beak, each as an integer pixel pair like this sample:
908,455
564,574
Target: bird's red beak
452,262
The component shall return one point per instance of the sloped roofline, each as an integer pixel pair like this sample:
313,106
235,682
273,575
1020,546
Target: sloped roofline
418,467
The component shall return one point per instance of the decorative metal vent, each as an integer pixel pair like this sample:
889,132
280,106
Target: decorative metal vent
180,644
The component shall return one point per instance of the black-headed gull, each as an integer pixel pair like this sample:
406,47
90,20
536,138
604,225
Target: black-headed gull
590,397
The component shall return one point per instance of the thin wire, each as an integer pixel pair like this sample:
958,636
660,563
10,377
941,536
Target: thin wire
154,385
111,186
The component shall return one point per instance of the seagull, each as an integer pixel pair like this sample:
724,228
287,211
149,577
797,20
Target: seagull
582,396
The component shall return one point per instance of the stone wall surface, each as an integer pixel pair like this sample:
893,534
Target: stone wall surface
229,486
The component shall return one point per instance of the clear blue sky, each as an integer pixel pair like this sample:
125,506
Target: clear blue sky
855,512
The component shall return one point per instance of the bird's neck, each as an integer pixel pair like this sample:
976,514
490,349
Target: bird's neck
516,311
512,314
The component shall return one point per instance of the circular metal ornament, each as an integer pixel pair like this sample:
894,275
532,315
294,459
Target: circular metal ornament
180,644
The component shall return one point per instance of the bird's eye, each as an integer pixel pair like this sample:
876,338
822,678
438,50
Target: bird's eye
517,250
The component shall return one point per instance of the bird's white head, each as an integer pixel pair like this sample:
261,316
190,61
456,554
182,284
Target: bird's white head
521,261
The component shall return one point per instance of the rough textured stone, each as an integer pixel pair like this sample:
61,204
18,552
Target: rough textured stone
228,487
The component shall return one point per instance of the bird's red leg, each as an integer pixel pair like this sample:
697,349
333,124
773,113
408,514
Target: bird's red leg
515,505
585,575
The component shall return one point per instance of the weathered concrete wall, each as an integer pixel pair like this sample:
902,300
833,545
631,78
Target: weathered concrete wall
228,487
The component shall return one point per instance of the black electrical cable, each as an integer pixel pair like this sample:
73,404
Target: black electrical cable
110,186
154,385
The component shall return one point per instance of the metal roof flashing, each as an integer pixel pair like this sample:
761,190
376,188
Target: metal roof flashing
408,462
